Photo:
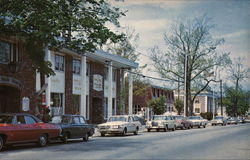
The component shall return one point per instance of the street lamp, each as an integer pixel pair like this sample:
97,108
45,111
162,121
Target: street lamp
185,86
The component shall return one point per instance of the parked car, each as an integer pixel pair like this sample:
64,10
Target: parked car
232,120
245,120
73,126
121,124
161,122
24,128
219,120
197,121
182,122
240,119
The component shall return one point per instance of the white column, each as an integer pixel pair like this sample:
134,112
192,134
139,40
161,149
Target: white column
110,85
48,79
38,81
130,93
83,87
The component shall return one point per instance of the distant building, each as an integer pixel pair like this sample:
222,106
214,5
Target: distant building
140,102
86,84
203,102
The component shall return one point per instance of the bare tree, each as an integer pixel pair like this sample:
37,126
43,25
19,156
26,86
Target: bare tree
238,72
192,40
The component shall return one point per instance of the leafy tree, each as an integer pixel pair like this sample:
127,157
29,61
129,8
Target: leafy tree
190,39
158,105
242,101
75,24
179,106
237,73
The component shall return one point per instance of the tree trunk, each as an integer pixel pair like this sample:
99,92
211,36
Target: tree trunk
236,97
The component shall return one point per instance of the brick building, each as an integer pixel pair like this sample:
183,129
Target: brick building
140,102
87,84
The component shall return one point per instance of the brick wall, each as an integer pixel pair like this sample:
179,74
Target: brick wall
26,75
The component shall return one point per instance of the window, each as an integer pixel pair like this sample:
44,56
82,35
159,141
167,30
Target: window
57,106
82,120
76,120
20,120
76,103
105,108
113,106
87,106
59,63
29,120
88,69
114,75
76,66
5,51
197,101
197,110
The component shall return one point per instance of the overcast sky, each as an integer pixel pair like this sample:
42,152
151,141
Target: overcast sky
152,18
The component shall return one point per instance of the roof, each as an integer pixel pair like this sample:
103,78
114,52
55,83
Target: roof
104,57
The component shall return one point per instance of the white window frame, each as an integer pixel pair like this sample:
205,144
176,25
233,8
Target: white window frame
76,66
63,68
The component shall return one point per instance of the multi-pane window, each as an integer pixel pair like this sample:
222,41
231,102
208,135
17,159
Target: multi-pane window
76,66
197,110
5,51
59,63
76,103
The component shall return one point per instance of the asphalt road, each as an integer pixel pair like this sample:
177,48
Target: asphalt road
213,142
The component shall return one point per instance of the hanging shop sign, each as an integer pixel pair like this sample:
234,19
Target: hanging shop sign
25,104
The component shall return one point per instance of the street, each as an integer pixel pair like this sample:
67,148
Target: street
213,142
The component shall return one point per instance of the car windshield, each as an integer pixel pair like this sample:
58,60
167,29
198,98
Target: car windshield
6,119
61,119
218,118
159,118
114,119
178,117
193,117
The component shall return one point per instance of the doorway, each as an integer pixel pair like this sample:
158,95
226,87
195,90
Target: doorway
9,99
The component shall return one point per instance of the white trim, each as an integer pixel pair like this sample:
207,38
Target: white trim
84,83
110,88
130,93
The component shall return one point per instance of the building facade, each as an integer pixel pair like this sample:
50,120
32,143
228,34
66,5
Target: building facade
86,84
140,102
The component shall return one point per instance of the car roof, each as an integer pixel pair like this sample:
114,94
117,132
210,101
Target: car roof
68,115
15,114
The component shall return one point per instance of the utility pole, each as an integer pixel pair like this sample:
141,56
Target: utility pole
221,105
185,85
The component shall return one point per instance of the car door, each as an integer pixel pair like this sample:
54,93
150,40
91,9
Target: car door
33,127
84,127
21,130
131,125
77,132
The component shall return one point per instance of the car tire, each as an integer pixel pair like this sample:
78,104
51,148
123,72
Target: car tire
124,131
85,137
136,131
102,134
43,140
158,130
199,126
65,137
204,126
1,143
148,129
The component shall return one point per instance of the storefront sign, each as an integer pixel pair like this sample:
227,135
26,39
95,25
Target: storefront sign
25,104
97,82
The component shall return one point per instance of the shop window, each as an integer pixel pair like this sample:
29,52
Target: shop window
76,66
59,63
57,103
197,110
105,108
76,103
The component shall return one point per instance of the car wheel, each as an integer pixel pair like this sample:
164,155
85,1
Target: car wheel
158,130
65,137
86,137
136,131
199,126
148,129
1,143
204,126
173,129
124,131
43,140
103,134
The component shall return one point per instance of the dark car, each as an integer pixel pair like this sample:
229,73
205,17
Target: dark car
73,126
25,128
182,122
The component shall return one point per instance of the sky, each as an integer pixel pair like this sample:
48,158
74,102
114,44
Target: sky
152,18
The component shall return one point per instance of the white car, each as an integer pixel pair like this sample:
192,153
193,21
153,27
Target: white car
197,121
219,120
161,122
120,124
